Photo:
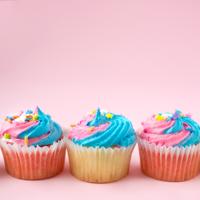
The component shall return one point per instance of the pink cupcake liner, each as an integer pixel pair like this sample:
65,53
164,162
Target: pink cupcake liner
34,163
169,163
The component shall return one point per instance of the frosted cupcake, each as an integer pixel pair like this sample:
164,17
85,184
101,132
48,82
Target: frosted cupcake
100,147
169,147
33,145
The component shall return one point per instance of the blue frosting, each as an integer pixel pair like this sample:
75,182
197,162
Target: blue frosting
45,125
98,119
119,132
180,124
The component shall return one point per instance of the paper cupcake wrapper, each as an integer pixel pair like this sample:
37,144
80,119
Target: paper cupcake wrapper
169,163
98,165
34,163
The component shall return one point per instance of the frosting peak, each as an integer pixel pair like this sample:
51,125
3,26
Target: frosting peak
99,118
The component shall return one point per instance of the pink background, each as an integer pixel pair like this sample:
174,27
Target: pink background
133,57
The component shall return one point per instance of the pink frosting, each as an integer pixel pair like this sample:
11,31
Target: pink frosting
153,132
81,130
15,128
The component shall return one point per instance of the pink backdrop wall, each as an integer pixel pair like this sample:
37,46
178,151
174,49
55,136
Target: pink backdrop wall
68,57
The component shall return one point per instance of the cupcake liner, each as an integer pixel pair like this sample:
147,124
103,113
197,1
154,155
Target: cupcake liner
169,163
98,165
34,163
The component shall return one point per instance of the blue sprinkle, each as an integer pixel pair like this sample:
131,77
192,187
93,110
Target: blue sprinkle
29,112
9,117
176,115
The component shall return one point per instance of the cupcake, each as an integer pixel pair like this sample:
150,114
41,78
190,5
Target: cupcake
33,145
169,147
100,147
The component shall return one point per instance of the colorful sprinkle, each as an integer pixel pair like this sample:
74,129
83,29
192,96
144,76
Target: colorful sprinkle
73,125
29,116
159,117
8,120
15,116
29,112
26,140
35,117
176,115
92,112
109,115
92,128
7,136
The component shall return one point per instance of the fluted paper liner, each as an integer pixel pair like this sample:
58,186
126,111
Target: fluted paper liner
34,163
98,165
169,163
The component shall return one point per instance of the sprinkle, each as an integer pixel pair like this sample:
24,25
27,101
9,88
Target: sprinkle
15,116
92,112
176,115
7,136
90,129
35,117
109,115
26,140
73,125
159,117
29,112
29,116
8,120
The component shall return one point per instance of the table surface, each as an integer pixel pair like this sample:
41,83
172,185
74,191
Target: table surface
69,57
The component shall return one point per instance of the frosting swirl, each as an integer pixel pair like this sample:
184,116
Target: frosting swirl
103,129
31,128
171,130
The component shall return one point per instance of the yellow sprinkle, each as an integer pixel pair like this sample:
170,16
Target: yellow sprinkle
6,136
92,112
160,117
109,115
90,129
35,117
26,140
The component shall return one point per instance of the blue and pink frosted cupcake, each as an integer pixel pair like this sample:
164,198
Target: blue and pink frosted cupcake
169,146
100,147
33,145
